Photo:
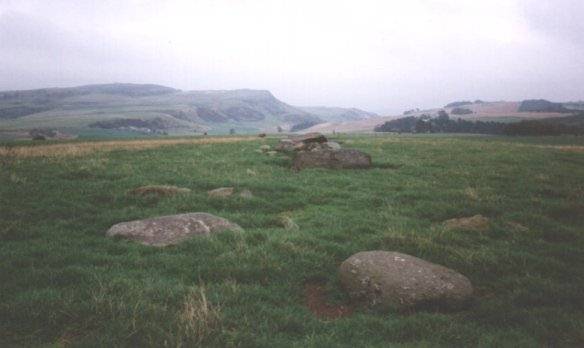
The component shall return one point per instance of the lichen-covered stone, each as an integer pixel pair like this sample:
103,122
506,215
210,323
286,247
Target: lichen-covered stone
172,229
391,280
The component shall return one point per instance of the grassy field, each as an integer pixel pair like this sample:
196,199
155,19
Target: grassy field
62,282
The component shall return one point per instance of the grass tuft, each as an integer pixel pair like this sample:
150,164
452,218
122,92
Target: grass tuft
198,318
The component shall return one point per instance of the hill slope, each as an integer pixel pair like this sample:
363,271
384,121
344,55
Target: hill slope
83,109
335,114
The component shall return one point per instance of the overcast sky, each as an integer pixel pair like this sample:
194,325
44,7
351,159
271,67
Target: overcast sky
380,55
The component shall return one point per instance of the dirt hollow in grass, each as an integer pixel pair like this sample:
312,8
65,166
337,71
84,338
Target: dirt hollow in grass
319,305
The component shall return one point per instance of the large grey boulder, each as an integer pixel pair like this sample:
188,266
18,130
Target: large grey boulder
172,229
331,145
339,159
391,280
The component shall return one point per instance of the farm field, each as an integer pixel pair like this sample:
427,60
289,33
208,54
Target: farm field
63,283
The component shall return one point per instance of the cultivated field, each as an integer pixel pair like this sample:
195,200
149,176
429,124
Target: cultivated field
62,282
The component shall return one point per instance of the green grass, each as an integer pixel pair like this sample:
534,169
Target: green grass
75,119
62,282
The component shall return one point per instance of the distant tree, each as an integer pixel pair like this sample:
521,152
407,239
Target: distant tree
440,124
303,125
404,124
460,111
280,129
554,126
411,111
443,115
423,126
232,131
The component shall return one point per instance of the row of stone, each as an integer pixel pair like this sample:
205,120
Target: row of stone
169,190
376,279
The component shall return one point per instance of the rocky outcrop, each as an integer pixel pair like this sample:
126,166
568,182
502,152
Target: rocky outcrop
304,142
313,150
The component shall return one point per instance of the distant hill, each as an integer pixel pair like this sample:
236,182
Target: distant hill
89,110
121,109
507,111
52,95
458,104
478,110
574,105
359,126
336,114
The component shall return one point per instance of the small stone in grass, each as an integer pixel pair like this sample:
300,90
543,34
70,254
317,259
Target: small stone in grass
246,194
477,223
221,192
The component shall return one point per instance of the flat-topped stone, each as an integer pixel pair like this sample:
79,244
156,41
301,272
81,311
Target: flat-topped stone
172,229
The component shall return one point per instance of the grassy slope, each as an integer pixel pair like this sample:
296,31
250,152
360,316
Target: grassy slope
62,281
75,113
79,119
76,121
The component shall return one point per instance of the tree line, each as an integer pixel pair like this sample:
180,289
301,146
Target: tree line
444,124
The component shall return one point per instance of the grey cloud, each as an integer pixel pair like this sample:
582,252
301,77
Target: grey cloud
373,54
36,37
559,19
